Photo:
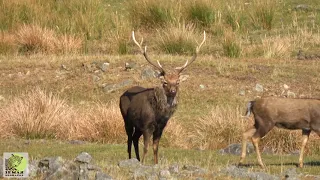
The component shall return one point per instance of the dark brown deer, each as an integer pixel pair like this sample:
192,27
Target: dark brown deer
146,111
284,113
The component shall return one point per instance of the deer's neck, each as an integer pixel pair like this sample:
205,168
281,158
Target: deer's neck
163,101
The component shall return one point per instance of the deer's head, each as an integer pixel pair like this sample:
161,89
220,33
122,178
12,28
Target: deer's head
170,81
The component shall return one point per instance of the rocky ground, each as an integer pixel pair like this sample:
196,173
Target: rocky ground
83,168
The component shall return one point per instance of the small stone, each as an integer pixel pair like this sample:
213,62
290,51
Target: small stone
104,66
259,88
129,65
84,157
165,174
202,86
129,163
102,176
174,168
242,93
291,94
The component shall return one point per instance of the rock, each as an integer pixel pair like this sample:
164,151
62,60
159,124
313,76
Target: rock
242,93
84,157
174,169
56,168
32,168
148,73
102,176
286,87
64,67
291,94
144,172
193,170
129,163
291,174
104,66
259,88
50,165
302,7
113,87
165,174
239,173
202,86
236,149
129,65
95,78
76,142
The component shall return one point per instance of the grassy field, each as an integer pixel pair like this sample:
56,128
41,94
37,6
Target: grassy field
107,156
51,84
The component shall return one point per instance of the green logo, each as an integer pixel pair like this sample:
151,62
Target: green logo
16,164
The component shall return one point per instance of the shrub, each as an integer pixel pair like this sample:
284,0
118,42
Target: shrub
231,46
34,39
217,129
178,40
36,114
201,13
99,123
262,15
150,14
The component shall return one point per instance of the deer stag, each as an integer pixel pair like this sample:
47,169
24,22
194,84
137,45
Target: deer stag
284,113
146,111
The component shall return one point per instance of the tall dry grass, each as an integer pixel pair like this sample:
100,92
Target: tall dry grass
35,39
36,114
41,114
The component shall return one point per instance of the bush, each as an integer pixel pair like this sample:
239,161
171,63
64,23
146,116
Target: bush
36,114
262,16
34,39
201,13
231,46
178,40
150,14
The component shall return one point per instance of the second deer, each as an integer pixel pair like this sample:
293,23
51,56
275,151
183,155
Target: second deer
146,111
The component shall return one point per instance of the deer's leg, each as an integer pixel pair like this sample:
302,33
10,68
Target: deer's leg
305,138
146,138
129,131
156,140
246,135
135,138
262,130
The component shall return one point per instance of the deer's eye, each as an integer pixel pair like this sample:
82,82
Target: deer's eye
165,83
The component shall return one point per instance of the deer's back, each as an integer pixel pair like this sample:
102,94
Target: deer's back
288,113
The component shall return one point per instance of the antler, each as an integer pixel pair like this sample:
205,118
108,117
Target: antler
144,52
194,56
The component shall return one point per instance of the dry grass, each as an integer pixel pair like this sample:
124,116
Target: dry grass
100,123
36,114
218,129
276,47
35,39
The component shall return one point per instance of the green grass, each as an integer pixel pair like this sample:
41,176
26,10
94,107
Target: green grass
108,156
104,26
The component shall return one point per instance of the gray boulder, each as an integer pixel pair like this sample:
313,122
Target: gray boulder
236,149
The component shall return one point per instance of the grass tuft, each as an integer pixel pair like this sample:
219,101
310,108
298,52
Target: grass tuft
36,114
231,45
201,13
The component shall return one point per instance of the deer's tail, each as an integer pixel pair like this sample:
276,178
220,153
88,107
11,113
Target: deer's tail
249,108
